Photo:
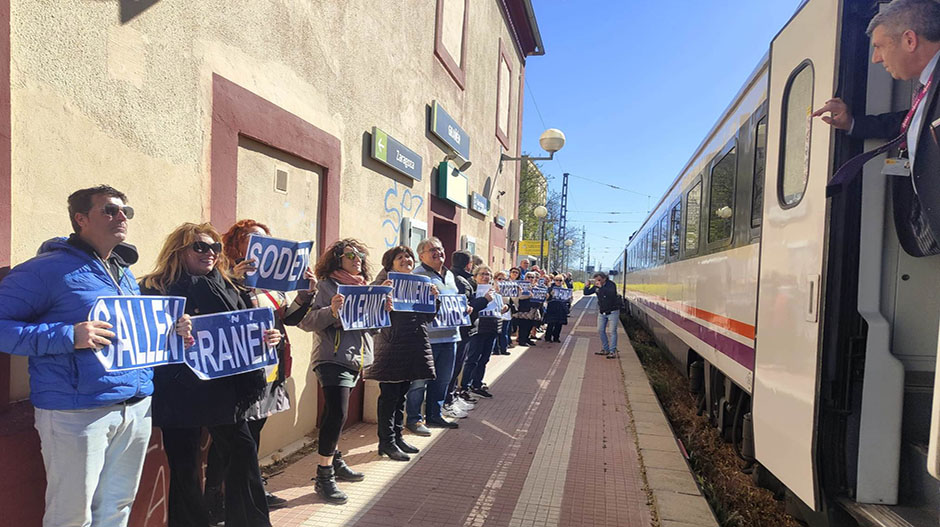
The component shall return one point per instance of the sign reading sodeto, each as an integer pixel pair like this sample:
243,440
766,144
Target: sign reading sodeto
387,150
446,129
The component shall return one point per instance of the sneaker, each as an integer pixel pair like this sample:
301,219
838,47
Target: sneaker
461,404
442,423
451,412
601,352
482,392
419,429
467,397
612,354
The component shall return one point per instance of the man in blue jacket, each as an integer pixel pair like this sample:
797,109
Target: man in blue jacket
94,426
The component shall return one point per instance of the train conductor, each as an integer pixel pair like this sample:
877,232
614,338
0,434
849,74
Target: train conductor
906,40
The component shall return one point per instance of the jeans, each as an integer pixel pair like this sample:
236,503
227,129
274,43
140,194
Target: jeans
93,459
503,341
434,390
480,349
462,350
613,318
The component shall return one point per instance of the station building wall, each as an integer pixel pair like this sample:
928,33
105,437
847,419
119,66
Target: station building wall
193,108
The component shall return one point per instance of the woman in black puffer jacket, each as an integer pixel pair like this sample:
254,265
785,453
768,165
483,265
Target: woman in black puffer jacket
192,265
402,354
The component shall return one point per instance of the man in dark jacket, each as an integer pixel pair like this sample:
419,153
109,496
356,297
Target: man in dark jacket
93,457
466,285
906,40
608,312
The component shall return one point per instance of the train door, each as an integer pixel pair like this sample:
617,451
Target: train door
802,75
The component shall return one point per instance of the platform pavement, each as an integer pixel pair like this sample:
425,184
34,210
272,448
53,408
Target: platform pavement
568,439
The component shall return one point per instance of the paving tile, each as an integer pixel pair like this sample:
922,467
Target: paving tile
554,447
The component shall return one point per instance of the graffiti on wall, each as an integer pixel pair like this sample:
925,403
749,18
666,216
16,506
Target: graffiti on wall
400,203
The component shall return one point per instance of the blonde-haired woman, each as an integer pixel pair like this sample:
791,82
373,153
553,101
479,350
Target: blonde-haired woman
192,264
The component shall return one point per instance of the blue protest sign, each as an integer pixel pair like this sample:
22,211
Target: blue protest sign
145,330
364,307
525,287
495,307
412,292
561,293
539,294
508,288
453,312
279,264
231,343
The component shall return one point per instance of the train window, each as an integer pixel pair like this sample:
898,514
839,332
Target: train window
794,157
721,198
693,211
654,244
760,162
663,237
675,228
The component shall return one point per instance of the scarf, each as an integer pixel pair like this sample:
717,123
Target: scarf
344,277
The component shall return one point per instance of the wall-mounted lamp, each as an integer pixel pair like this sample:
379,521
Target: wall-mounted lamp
457,159
551,140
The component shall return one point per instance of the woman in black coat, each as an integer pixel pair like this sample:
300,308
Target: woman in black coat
402,354
556,311
192,265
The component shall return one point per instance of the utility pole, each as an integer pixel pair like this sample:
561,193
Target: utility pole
583,246
559,244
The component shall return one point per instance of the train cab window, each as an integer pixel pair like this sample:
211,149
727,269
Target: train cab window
794,158
675,228
760,162
721,198
663,237
693,212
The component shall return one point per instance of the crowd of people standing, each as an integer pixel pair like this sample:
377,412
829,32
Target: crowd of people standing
95,424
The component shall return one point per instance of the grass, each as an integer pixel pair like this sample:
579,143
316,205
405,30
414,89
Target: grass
734,498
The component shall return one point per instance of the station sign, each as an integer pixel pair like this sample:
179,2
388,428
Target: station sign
452,184
446,129
391,153
500,221
479,203
531,247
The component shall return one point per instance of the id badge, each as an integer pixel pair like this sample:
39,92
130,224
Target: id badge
897,166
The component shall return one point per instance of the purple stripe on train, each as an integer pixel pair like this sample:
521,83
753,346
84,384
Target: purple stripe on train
740,353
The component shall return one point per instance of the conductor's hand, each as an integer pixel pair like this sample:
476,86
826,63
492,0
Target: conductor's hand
92,334
839,114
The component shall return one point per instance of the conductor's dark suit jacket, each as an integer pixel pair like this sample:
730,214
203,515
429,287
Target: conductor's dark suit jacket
916,215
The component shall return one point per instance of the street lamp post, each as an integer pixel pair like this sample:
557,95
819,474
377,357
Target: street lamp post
541,212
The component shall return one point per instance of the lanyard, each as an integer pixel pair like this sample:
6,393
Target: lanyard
853,167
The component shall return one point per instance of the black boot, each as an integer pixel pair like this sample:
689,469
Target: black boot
342,470
325,485
404,446
393,452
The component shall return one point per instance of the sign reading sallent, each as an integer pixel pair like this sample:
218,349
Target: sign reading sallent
446,129
388,151
452,184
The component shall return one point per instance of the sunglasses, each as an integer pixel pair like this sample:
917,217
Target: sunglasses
203,247
559,281
352,254
435,250
111,210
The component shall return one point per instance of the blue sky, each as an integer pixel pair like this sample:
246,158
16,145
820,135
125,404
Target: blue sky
635,86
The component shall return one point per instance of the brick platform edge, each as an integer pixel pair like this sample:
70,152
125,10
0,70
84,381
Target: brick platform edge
676,497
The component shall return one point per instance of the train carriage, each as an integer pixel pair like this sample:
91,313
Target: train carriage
796,313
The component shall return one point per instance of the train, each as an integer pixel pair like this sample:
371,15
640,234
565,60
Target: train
810,335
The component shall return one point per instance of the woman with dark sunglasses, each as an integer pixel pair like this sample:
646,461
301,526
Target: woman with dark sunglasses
339,357
556,311
275,398
191,264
